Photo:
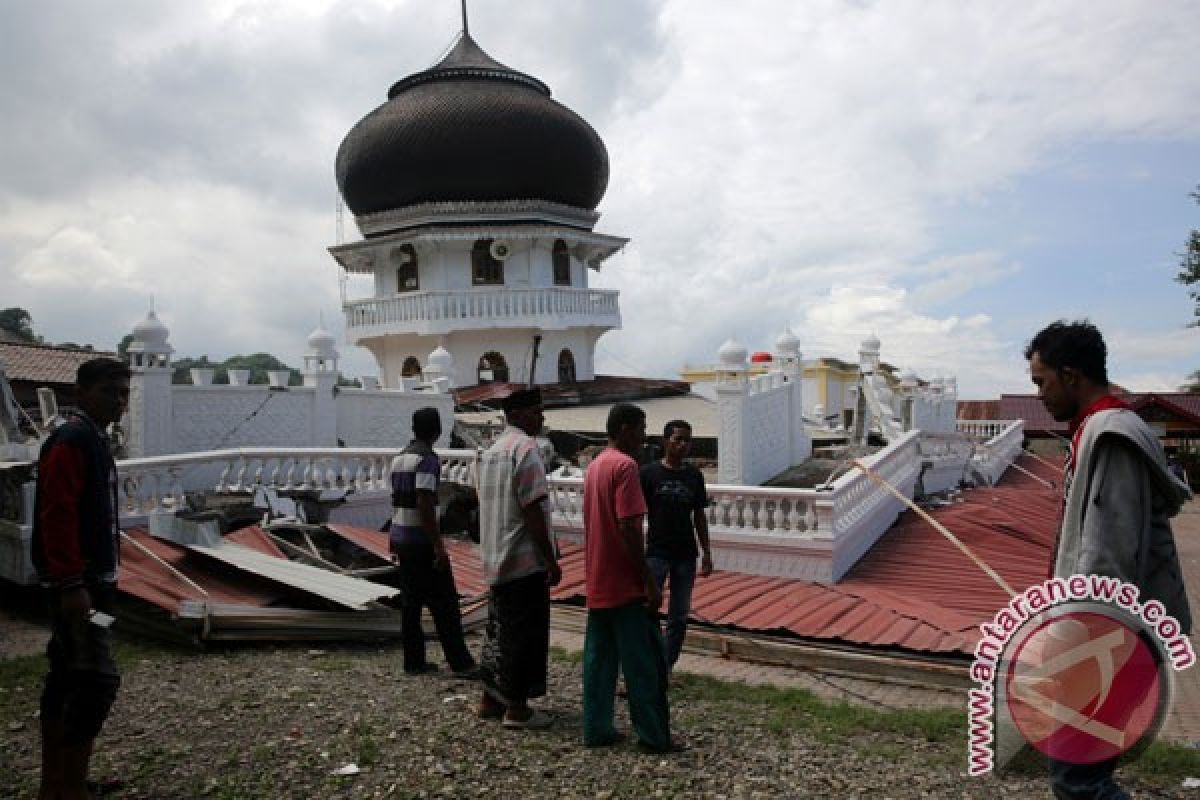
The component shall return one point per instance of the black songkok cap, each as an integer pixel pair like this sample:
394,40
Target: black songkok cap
524,398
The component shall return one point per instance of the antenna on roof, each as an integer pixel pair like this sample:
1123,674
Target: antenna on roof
466,28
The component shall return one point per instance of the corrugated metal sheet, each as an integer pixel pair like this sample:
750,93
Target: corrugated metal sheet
354,593
145,578
914,591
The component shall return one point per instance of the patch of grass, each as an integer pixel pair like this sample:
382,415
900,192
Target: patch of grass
1166,764
787,710
566,656
23,671
367,747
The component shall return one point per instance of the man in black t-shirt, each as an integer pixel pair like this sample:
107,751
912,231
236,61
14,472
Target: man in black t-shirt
676,499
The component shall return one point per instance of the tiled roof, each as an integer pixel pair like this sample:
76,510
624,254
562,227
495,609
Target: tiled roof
1185,405
1029,408
979,409
35,363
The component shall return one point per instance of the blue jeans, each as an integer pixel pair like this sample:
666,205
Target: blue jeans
682,573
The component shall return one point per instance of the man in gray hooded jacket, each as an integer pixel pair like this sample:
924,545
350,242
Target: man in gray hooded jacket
1118,497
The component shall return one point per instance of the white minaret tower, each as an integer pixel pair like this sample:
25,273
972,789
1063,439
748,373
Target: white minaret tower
475,193
321,374
149,416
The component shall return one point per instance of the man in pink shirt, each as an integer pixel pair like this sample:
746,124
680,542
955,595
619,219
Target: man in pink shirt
622,597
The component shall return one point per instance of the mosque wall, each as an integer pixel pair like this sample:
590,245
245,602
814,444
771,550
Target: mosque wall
217,417
203,418
379,418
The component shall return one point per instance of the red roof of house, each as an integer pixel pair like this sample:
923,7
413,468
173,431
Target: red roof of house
43,364
1184,405
979,410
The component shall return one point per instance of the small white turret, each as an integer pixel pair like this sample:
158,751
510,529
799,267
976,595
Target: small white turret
787,344
868,354
322,355
732,355
150,348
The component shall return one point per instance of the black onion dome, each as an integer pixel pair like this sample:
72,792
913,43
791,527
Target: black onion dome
470,130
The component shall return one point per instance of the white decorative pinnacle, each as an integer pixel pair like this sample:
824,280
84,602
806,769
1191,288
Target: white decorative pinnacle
787,344
440,359
732,354
150,335
321,344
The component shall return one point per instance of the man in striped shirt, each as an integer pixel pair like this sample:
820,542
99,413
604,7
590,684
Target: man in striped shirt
520,565
426,578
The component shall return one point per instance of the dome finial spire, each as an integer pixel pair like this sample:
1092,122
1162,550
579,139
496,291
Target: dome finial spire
466,28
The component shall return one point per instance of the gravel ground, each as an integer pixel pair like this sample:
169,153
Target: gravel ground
276,721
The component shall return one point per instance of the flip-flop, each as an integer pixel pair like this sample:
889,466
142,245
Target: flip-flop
536,721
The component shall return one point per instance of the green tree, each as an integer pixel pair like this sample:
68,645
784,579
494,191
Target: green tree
1192,383
18,321
257,363
1189,268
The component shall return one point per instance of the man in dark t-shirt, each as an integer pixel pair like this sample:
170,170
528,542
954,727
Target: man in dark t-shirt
675,501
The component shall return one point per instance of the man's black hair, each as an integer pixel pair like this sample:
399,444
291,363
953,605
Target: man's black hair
670,427
98,370
620,415
427,423
1077,345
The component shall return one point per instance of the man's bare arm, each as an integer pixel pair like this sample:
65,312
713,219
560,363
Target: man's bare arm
701,524
427,509
534,516
630,531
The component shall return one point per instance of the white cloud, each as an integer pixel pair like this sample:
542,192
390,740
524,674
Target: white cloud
774,163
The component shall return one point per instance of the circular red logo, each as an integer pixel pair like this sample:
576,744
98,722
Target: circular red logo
1084,687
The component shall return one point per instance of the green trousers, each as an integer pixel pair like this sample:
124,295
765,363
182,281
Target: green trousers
627,638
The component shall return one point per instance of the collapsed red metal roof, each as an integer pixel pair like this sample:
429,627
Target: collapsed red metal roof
913,591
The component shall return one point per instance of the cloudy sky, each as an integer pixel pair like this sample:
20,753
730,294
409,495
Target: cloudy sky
948,175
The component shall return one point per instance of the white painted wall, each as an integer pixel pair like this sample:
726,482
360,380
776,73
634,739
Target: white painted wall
515,344
201,418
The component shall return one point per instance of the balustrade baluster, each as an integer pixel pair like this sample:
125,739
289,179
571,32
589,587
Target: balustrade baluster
779,520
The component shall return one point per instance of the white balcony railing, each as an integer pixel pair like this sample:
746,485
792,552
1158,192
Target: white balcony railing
439,310
995,455
149,484
981,428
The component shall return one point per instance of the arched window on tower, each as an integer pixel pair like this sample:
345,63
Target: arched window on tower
411,368
492,368
566,366
404,259
562,263
486,269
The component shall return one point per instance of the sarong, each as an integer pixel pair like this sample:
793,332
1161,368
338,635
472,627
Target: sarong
516,641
